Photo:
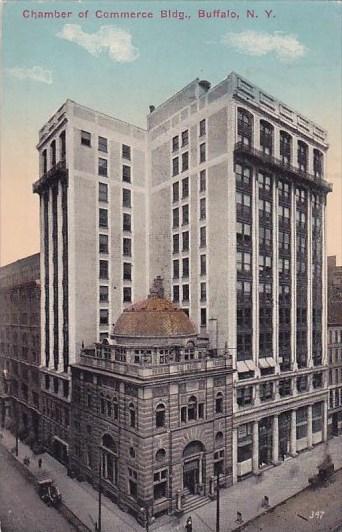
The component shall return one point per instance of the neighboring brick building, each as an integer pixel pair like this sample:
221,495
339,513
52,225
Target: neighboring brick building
20,347
155,407
335,346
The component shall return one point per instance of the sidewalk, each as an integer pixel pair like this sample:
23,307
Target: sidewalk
278,484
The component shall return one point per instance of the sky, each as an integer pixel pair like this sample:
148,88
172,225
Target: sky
118,66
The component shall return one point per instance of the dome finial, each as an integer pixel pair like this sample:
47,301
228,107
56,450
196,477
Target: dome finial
157,289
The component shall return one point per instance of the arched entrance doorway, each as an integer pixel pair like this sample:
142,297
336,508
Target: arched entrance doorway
193,466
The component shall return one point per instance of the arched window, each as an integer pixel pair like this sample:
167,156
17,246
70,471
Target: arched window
192,408
244,127
302,155
160,455
219,403
109,407
160,415
219,439
116,408
266,137
102,405
318,163
285,147
132,416
109,459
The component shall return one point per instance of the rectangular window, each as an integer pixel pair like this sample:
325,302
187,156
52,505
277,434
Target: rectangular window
243,233
127,222
243,261
185,214
185,289
103,167
103,192
127,247
104,316
175,191
175,217
185,187
202,128
185,161
203,237
103,218
175,143
244,396
176,294
203,317
127,294
126,173
176,269
175,166
185,240
126,152
126,198
203,264
103,294
203,180
243,175
202,152
103,269
53,153
185,267
85,138
103,243
185,138
203,209
127,271
175,243
203,287
103,144
62,146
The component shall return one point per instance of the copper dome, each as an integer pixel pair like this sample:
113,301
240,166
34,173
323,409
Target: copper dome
154,317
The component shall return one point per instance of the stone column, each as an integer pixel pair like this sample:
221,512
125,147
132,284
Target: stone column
200,465
255,459
309,439
275,440
325,420
293,433
235,452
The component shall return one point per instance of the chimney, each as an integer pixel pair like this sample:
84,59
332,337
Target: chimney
152,108
205,85
157,289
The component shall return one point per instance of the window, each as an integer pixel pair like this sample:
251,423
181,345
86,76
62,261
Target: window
317,380
126,152
55,384
127,222
284,190
203,265
175,217
127,271
62,146
285,147
175,166
302,383
175,191
103,294
160,455
116,408
103,218
302,156
103,243
160,484
244,127
244,396
176,269
185,161
175,244
176,294
103,144
126,173
185,138
202,128
243,233
265,209
53,153
132,415
185,292
285,387
266,391
243,174
175,143
284,267
203,317
203,237
160,416
127,294
243,261
203,181
219,403
245,442
265,237
202,209
317,417
85,138
243,203
266,137
302,423
103,269
126,198
103,167
243,289
265,264
185,239
192,408
127,247
284,241
104,316
185,187
203,289
44,161
318,163
202,152
264,181
185,267
103,192
185,214
132,483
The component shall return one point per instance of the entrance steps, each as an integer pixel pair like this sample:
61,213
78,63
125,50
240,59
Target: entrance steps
192,501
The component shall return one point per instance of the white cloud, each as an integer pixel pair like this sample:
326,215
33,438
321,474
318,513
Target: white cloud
36,73
285,47
115,41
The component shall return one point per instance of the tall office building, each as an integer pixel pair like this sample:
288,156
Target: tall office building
224,196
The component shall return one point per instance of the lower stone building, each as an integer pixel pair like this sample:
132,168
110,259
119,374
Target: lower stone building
152,411
335,370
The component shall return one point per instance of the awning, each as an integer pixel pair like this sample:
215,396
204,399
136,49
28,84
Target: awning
267,362
245,365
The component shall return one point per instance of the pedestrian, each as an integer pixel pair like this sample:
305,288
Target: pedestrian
188,524
40,462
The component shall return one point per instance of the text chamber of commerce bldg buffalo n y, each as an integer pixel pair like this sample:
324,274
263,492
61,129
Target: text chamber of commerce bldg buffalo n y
224,196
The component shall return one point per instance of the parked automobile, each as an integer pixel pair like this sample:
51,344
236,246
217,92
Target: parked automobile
49,492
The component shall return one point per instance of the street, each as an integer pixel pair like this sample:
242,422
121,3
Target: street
21,510
318,510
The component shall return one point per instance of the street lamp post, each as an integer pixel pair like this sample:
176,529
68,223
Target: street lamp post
218,503
99,524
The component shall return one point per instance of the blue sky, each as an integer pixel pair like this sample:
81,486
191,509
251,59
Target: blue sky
295,54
